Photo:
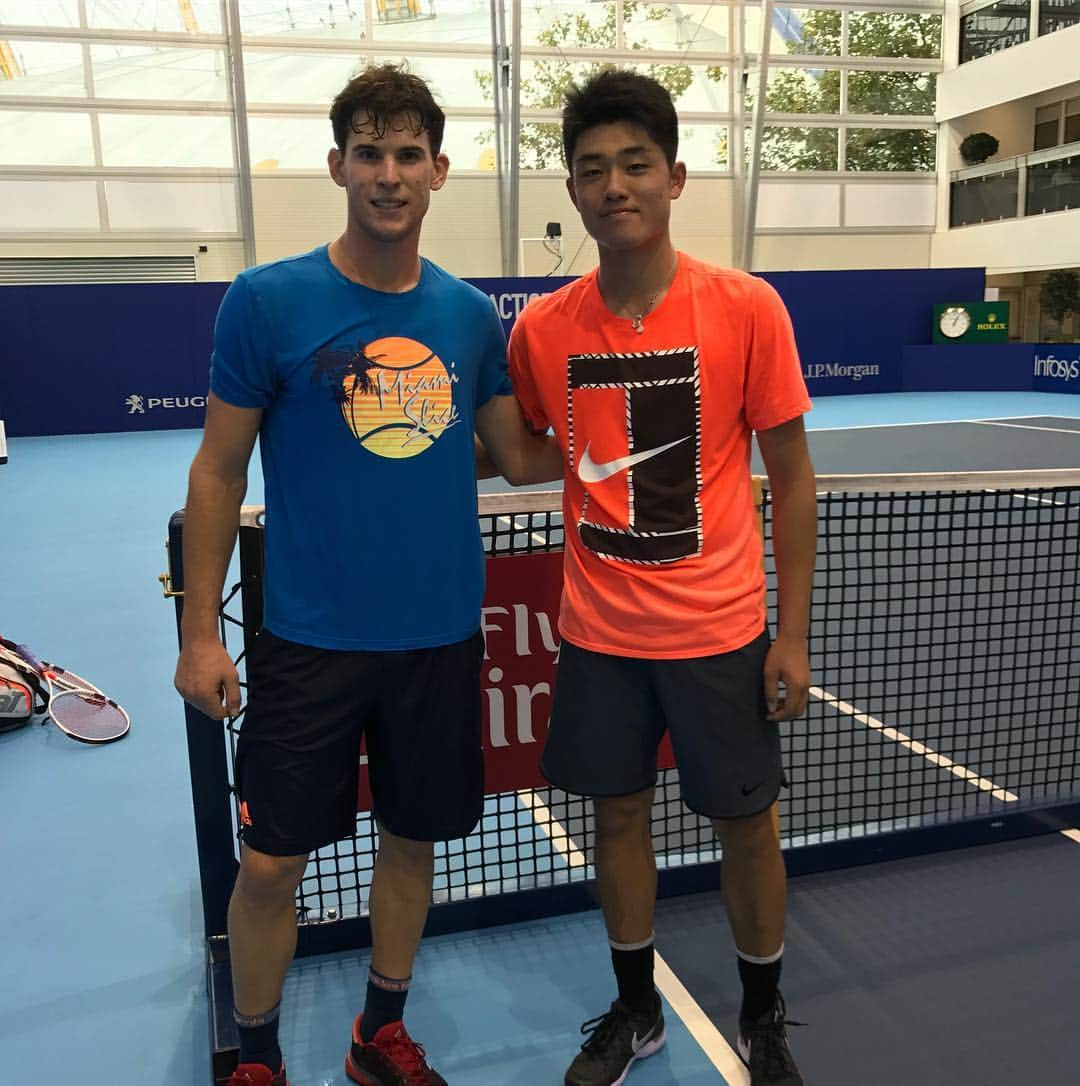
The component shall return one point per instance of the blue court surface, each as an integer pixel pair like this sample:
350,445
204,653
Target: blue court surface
956,967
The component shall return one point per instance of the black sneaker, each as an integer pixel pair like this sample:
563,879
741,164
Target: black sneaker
764,1048
615,1040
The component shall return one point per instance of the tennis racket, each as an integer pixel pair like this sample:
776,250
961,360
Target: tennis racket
77,707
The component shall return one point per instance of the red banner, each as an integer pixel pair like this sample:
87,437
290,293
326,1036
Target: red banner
519,620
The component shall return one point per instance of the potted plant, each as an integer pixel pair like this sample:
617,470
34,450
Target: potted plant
1059,295
978,147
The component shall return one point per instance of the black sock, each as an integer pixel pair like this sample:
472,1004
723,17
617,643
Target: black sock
259,1038
385,1003
634,974
761,982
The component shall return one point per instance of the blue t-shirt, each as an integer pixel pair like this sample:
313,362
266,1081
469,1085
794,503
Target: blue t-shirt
372,539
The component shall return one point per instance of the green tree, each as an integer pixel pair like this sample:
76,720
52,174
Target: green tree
884,34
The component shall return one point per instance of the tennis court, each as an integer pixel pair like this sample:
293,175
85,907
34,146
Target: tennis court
933,967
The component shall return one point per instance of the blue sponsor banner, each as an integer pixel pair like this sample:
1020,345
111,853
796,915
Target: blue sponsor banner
99,358
1055,367
510,296
852,326
105,357
963,367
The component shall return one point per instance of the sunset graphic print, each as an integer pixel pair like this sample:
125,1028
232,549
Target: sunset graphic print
396,395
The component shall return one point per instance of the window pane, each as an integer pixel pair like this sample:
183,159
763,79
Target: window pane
35,13
201,17
298,77
891,149
451,22
46,69
678,28
289,143
141,71
137,139
801,31
798,148
45,139
983,199
199,206
893,34
1046,126
694,88
1058,14
895,93
569,24
48,205
798,90
1046,135
1072,120
1053,186
704,147
991,29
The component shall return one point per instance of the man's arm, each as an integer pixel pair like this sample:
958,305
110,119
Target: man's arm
205,674
794,498
507,446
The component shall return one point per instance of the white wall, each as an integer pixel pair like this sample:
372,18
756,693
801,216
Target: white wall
1038,241
1033,68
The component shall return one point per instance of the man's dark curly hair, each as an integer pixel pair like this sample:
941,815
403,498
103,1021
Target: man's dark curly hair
614,95
385,94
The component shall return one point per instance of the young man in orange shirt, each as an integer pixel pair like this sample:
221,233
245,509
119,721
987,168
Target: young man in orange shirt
654,370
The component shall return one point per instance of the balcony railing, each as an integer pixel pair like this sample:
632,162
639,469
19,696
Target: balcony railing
1012,188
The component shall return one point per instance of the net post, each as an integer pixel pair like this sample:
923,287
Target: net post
209,779
757,483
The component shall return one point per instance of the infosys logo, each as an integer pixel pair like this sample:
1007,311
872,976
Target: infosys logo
139,405
1062,369
838,369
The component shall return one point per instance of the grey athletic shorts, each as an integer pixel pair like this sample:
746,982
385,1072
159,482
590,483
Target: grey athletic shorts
610,713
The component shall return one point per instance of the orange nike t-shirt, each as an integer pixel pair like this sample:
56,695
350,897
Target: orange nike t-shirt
663,554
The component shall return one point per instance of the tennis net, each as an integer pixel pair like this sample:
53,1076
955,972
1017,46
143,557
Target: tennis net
945,655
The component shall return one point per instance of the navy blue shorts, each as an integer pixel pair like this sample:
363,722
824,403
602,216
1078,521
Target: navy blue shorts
609,714
297,758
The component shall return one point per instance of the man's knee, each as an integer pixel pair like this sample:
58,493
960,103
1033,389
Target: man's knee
755,836
268,880
622,816
403,851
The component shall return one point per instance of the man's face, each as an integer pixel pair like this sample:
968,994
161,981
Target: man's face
389,178
622,186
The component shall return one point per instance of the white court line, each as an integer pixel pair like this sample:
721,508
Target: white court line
1072,835
920,422
1019,426
1032,498
711,1041
916,747
536,537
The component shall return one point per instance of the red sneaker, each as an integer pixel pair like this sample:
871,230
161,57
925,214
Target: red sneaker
390,1058
256,1074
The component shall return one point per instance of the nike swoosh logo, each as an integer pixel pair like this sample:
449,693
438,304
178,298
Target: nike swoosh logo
747,791
589,471
635,1044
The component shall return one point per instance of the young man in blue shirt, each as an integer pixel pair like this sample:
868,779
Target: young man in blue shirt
364,371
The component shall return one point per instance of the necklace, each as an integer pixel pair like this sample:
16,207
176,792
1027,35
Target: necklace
638,322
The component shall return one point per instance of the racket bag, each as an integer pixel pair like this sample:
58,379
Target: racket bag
22,697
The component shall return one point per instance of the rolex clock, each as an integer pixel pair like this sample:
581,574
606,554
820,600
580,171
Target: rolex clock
954,321
971,322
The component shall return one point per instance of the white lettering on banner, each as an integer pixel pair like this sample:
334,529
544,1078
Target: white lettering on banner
856,372
522,729
139,405
509,306
1061,369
